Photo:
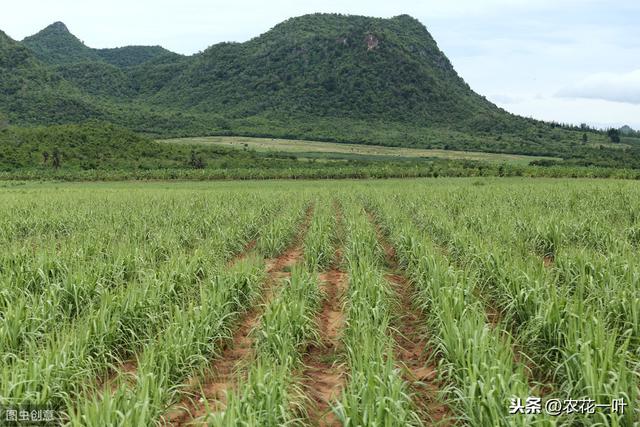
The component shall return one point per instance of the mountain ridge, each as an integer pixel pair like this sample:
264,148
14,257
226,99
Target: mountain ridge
56,45
329,56
333,77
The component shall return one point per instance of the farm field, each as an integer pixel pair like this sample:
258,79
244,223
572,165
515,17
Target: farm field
322,303
338,150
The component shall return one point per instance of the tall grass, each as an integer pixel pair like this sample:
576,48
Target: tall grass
375,393
477,360
92,276
56,358
319,244
60,285
556,321
270,395
193,335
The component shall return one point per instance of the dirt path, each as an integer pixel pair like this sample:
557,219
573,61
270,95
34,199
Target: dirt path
413,354
324,373
412,346
210,393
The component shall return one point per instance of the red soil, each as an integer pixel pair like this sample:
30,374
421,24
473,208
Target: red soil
412,348
324,374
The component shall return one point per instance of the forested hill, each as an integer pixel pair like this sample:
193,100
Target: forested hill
332,66
56,45
321,76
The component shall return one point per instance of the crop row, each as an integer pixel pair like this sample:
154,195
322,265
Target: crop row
375,393
558,324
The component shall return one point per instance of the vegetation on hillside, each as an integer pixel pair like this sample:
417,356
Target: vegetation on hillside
56,45
129,56
107,147
321,77
102,151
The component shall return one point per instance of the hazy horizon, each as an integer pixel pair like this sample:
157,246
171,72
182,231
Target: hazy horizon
569,61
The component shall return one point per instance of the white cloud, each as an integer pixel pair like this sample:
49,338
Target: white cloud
619,87
594,112
502,98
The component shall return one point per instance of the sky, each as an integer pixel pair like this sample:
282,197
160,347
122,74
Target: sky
571,61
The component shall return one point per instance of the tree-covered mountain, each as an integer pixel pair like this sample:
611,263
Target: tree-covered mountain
56,45
34,93
129,56
332,66
321,76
